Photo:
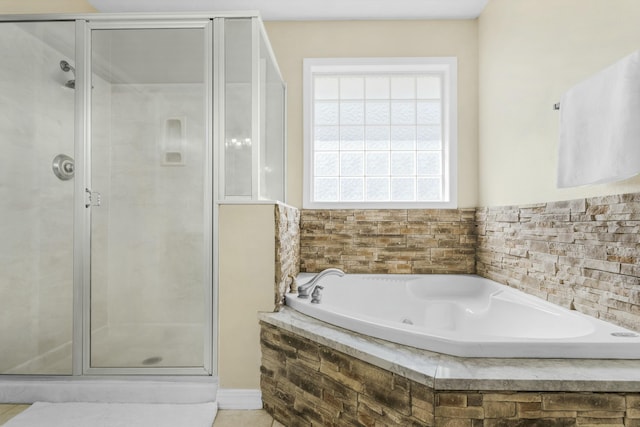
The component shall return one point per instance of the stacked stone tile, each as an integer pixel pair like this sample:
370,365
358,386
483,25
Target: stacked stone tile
583,254
492,409
287,249
304,384
307,384
388,240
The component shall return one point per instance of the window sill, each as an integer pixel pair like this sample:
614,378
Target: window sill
380,205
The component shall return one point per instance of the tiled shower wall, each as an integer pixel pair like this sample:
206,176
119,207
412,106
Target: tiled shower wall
151,209
581,254
36,210
388,240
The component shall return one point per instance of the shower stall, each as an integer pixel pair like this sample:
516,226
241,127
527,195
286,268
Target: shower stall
120,136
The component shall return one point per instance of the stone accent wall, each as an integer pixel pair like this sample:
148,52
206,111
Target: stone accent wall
287,250
307,384
583,254
494,409
388,240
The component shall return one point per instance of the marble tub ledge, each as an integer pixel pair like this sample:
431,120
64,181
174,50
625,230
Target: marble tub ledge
444,372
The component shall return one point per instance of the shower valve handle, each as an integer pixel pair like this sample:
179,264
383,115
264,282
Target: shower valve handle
93,198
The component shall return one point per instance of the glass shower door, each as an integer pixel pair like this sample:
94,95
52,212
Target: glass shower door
36,204
150,299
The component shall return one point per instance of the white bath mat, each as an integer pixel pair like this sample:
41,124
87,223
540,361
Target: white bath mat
77,414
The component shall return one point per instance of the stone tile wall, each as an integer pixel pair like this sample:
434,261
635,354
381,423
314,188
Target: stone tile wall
494,409
388,240
307,384
582,254
287,249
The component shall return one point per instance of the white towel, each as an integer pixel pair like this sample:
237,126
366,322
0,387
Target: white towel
600,127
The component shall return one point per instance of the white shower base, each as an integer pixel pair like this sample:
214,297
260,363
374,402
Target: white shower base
48,376
165,389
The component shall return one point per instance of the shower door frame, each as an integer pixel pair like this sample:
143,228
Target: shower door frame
214,45
81,344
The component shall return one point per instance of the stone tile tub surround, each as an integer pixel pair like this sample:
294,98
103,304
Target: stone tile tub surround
317,374
582,254
415,241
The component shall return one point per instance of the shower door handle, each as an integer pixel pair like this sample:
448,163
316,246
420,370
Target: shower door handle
93,198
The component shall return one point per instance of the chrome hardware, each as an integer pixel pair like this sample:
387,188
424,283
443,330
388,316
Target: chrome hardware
292,283
316,295
63,167
66,67
93,198
304,290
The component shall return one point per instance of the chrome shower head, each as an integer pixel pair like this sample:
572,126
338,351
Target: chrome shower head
71,84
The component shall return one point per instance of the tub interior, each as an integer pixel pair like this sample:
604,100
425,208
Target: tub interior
463,315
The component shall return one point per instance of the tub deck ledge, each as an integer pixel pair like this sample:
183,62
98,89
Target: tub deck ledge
444,372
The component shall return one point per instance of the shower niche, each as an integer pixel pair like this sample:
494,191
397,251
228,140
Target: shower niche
122,134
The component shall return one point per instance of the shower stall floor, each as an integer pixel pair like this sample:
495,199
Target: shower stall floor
148,345
126,346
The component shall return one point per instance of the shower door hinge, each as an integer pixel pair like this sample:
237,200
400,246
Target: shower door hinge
92,198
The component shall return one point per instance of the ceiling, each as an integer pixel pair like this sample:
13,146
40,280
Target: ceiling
275,10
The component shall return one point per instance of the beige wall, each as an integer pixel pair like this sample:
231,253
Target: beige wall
45,6
531,51
293,41
246,272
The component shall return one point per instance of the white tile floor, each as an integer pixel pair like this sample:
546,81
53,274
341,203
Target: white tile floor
224,418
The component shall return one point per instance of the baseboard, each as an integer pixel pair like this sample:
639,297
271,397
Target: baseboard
229,398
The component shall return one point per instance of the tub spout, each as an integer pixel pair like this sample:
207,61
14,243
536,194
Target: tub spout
306,289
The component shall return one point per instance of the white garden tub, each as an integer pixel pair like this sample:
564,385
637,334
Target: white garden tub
463,316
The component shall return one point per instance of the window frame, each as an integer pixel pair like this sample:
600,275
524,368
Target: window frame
446,66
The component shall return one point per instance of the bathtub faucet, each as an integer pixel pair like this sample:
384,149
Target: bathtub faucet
306,289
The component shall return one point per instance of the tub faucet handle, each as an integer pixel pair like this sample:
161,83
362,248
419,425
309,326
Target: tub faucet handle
316,295
292,283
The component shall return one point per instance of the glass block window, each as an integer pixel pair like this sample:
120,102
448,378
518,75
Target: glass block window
379,132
